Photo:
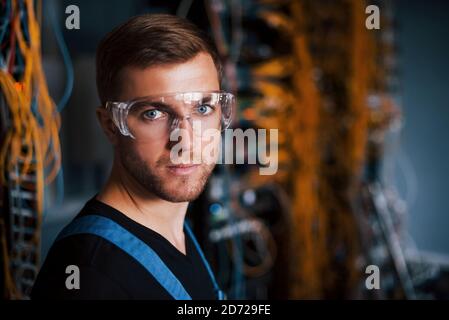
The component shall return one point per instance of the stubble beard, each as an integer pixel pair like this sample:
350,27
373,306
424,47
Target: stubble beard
159,181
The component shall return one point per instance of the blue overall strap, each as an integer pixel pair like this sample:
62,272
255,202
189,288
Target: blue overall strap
136,248
218,292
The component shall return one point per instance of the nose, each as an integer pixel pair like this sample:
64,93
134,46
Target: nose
186,133
182,131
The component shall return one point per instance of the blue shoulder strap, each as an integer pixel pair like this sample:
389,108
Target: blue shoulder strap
136,248
218,292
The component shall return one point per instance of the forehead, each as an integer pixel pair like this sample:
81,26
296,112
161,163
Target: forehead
197,74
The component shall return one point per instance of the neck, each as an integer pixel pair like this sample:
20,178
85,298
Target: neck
125,194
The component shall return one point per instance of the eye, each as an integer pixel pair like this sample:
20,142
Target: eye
153,114
204,109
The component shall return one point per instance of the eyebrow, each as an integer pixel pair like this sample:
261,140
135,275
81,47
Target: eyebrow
206,99
157,104
169,107
164,106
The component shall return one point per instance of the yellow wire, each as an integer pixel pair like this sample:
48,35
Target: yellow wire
29,145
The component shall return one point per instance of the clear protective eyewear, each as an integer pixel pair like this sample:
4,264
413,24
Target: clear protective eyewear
153,117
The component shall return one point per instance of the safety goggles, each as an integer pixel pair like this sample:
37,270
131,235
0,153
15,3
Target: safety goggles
153,117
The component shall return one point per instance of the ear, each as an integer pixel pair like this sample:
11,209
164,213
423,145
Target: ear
108,126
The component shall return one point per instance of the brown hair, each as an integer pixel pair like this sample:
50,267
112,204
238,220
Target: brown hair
146,40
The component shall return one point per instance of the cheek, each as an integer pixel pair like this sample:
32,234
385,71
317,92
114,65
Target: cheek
149,151
210,142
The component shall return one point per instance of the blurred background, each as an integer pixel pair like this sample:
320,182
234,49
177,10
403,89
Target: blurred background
363,159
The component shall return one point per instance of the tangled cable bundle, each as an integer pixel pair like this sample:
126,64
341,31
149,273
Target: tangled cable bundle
30,155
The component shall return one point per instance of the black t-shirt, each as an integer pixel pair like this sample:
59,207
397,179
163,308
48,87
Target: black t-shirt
107,272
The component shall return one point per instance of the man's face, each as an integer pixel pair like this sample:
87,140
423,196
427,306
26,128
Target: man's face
148,161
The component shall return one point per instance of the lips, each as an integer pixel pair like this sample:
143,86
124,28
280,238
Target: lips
183,169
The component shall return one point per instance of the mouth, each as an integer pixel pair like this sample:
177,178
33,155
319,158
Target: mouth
183,169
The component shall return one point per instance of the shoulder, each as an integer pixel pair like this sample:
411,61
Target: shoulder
76,268
77,283
82,257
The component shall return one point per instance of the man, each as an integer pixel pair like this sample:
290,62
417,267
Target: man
158,79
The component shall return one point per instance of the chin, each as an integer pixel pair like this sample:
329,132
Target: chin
181,186
178,195
184,188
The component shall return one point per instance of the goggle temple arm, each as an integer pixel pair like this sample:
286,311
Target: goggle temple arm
119,113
